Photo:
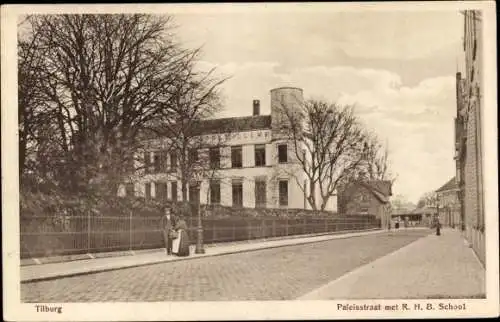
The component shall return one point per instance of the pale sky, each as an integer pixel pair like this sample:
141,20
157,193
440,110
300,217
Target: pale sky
397,67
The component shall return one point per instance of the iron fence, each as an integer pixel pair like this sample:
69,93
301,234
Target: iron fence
48,235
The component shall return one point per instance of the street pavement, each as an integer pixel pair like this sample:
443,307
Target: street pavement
434,267
120,260
283,273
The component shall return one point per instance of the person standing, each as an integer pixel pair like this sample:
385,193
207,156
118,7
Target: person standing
182,244
438,227
167,227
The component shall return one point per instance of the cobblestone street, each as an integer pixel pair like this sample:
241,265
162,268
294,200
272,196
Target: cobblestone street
273,274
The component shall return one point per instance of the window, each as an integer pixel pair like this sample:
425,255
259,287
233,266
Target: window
147,192
157,161
161,191
283,193
174,190
147,162
193,156
237,193
130,189
173,161
194,192
214,192
282,153
236,157
260,155
214,158
260,193
163,161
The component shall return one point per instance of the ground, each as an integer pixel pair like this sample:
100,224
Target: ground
283,273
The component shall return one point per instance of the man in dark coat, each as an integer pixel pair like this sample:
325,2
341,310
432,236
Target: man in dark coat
438,228
167,227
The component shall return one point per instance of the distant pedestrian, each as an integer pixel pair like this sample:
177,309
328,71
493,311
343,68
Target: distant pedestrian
438,228
168,229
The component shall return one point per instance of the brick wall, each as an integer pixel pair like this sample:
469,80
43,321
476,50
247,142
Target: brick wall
473,197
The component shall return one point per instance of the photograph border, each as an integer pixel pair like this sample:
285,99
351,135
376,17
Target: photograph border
14,309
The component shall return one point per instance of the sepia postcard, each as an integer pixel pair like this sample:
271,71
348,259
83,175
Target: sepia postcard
257,161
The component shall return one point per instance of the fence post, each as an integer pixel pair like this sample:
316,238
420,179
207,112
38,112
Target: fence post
274,227
286,226
130,231
249,228
88,231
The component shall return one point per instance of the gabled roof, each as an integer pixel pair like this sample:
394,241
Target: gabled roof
381,189
450,185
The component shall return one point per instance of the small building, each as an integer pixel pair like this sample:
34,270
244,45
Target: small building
449,204
370,197
426,214
407,216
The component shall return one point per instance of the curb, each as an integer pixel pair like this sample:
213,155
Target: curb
176,259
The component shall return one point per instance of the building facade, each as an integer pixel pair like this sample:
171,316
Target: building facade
468,135
403,215
448,205
252,162
370,197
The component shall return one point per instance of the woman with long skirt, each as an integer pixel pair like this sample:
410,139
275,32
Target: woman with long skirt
181,227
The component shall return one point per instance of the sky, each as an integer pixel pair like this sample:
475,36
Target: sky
397,68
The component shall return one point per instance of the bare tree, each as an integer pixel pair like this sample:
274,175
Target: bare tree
375,165
400,201
30,96
329,144
104,79
428,199
194,96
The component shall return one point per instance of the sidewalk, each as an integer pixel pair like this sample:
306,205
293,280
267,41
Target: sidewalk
431,267
31,273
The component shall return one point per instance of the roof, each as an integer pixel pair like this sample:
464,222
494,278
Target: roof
401,211
450,185
383,186
381,189
233,124
219,125
425,210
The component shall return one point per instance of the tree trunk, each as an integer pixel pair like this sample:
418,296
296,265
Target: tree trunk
324,202
312,196
184,189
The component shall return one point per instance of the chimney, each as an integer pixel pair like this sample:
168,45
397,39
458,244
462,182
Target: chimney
256,107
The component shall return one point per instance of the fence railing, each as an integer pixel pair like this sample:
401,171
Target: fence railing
47,236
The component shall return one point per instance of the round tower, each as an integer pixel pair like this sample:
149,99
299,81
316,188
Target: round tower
286,103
